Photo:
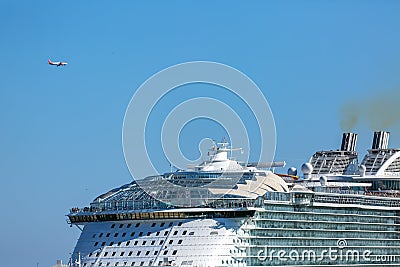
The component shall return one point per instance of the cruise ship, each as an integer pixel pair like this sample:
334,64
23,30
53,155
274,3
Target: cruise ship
338,212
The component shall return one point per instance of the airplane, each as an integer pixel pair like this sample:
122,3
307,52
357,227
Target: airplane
58,63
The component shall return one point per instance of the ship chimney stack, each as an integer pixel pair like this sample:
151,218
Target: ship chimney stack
381,140
349,141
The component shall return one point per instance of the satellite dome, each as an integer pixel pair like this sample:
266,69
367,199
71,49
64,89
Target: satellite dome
323,180
292,171
362,169
306,168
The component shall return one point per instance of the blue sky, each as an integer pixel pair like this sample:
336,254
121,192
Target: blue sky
60,128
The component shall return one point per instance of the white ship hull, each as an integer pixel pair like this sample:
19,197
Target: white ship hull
186,242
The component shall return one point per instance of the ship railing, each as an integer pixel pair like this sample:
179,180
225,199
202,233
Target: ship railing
338,190
358,200
154,204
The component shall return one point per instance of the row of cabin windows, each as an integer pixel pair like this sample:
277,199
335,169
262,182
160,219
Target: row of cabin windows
184,233
131,252
127,226
136,243
117,264
138,224
132,234
140,234
160,263
232,261
128,242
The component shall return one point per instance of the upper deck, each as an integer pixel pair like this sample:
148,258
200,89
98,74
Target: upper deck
380,163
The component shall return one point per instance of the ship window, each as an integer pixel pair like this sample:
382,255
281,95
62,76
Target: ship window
95,244
133,233
135,243
127,243
159,263
125,263
138,253
85,264
147,252
113,254
108,263
148,233
129,226
180,241
165,233
122,253
101,235
137,225
119,243
116,264
130,253
184,232
90,254
94,236
170,224
142,263
97,254
105,254
121,225
143,243
162,224
108,234
176,232
111,243
191,233
158,233
103,244
165,252
116,234
161,242
152,242
141,233
171,241
124,234
174,252
133,263
156,252
180,223
112,226
153,225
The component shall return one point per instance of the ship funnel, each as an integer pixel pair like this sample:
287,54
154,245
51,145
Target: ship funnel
381,140
349,141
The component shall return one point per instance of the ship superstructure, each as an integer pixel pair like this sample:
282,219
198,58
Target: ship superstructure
228,213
